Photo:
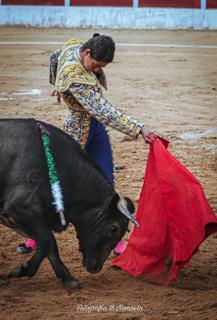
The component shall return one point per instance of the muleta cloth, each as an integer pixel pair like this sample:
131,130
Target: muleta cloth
174,216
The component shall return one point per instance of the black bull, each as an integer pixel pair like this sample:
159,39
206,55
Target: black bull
90,201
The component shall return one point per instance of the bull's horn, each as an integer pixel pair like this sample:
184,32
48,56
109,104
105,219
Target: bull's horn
123,209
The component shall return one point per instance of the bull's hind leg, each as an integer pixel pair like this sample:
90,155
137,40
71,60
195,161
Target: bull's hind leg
46,248
34,226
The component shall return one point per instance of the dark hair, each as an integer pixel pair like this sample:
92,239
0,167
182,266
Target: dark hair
102,48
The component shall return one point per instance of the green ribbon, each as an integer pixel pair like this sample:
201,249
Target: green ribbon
49,157
55,185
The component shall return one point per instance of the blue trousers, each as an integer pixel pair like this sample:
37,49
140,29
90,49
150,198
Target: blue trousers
99,148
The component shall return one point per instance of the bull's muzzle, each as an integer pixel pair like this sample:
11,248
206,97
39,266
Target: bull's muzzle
92,266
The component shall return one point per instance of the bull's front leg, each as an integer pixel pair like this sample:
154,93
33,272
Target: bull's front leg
61,270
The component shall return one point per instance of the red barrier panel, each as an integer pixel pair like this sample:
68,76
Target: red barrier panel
171,3
211,4
34,2
105,3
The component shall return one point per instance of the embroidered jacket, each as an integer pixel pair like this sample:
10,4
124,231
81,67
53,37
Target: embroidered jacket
81,91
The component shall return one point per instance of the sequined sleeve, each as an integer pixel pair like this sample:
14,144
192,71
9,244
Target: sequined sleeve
53,66
96,105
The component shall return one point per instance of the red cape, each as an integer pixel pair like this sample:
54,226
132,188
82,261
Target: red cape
174,218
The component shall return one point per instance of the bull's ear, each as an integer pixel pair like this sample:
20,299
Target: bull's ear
114,201
130,205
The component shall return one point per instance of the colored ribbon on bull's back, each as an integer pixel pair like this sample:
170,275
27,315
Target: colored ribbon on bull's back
174,216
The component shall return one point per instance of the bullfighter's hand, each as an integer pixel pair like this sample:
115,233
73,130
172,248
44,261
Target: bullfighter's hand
148,135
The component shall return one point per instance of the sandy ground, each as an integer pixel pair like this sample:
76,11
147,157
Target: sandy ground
174,91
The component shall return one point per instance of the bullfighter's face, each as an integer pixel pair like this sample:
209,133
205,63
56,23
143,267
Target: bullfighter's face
91,64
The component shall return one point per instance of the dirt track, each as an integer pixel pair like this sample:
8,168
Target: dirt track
174,91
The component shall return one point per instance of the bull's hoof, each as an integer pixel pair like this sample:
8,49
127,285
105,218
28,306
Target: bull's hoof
18,271
71,284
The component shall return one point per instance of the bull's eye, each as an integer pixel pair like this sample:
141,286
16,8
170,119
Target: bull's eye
114,230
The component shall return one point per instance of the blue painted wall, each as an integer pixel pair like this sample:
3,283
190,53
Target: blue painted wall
109,17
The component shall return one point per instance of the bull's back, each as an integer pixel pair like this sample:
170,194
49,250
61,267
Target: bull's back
23,162
22,148
21,156
18,143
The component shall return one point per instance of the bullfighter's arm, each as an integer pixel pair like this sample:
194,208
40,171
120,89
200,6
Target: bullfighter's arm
96,105
53,66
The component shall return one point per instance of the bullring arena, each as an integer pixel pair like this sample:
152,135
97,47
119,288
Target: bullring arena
171,85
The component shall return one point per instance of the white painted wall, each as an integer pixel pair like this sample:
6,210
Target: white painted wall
108,17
